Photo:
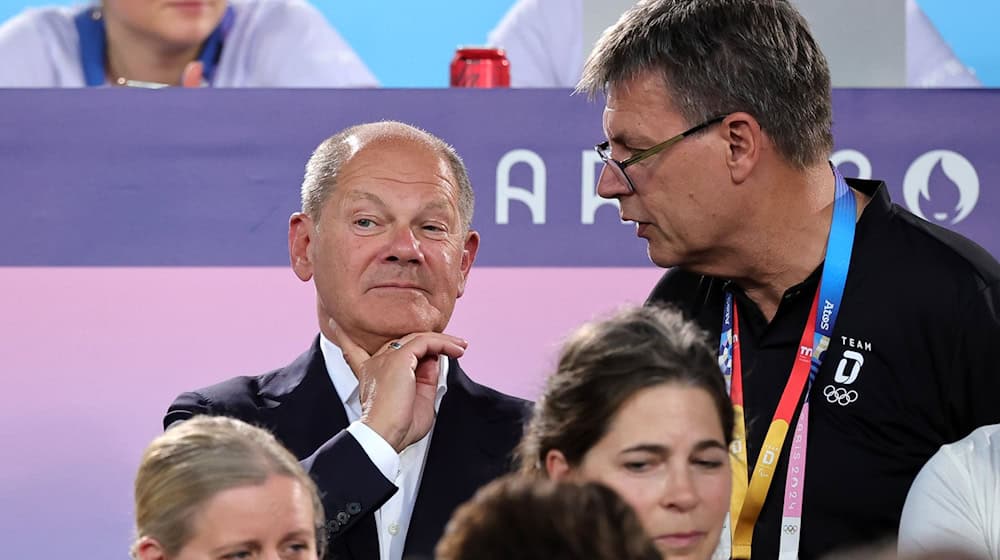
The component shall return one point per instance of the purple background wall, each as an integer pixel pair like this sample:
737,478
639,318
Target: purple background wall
142,253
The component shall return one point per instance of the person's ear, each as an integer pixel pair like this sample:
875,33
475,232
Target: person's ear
149,548
745,140
556,465
468,257
300,237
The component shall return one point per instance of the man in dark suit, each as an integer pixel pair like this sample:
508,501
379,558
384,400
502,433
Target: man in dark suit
394,432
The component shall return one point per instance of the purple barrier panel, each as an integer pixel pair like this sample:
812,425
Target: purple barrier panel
92,357
934,149
208,178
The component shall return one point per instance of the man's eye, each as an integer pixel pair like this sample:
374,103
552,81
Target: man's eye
629,151
364,222
296,548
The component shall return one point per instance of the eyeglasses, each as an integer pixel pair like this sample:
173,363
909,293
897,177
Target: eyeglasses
618,167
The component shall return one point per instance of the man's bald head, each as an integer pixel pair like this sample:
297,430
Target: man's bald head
333,154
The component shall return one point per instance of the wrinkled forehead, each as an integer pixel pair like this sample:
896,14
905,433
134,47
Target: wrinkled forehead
647,89
641,111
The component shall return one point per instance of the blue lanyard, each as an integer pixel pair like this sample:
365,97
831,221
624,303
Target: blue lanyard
838,260
831,290
839,245
94,45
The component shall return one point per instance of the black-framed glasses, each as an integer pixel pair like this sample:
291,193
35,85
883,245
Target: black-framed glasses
618,167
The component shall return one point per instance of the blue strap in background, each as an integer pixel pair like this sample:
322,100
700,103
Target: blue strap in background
211,50
93,45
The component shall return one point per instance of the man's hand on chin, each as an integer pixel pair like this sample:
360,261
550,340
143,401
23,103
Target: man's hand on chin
398,382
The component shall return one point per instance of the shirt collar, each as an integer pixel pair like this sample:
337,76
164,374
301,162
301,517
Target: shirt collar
346,384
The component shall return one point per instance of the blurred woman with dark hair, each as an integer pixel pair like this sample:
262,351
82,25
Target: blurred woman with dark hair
638,403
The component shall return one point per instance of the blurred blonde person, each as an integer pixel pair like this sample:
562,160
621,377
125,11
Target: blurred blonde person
216,487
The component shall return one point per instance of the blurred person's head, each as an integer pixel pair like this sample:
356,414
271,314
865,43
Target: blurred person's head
178,25
384,232
748,84
215,487
536,519
638,403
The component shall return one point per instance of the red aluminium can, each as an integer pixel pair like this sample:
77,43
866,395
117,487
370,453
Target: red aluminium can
480,67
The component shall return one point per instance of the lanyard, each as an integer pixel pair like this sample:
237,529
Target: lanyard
94,44
749,491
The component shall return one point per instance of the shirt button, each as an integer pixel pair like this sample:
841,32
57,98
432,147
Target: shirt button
394,528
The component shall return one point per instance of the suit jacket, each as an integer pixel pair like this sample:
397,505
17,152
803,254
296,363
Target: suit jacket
474,434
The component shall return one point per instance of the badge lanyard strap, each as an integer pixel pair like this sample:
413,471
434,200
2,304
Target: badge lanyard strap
749,492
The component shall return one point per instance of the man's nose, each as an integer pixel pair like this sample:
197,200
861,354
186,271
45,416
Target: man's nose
609,185
404,246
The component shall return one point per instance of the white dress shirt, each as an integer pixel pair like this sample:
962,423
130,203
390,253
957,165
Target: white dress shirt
404,470
954,503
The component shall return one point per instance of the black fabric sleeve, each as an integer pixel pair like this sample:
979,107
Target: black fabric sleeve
185,406
351,485
974,380
234,398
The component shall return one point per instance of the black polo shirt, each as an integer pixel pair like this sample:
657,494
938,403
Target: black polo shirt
912,365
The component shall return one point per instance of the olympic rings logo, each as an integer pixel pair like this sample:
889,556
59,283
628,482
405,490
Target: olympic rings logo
839,395
791,529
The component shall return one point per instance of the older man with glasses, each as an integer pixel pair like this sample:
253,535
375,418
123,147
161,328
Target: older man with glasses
847,326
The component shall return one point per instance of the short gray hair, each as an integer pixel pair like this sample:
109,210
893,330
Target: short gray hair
333,153
721,56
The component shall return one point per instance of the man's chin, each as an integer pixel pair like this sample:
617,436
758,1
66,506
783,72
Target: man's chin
662,256
394,325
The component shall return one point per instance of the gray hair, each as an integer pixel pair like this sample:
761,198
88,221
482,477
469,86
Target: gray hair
721,56
333,153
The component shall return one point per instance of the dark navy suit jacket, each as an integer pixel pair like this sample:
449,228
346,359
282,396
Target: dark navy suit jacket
475,432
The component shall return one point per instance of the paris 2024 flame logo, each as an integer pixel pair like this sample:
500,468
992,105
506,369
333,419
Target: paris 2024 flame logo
929,175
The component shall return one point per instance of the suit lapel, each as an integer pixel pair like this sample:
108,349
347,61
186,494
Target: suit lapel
301,407
456,465
300,404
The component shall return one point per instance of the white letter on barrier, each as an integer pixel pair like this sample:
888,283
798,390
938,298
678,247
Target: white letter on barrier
590,201
534,198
